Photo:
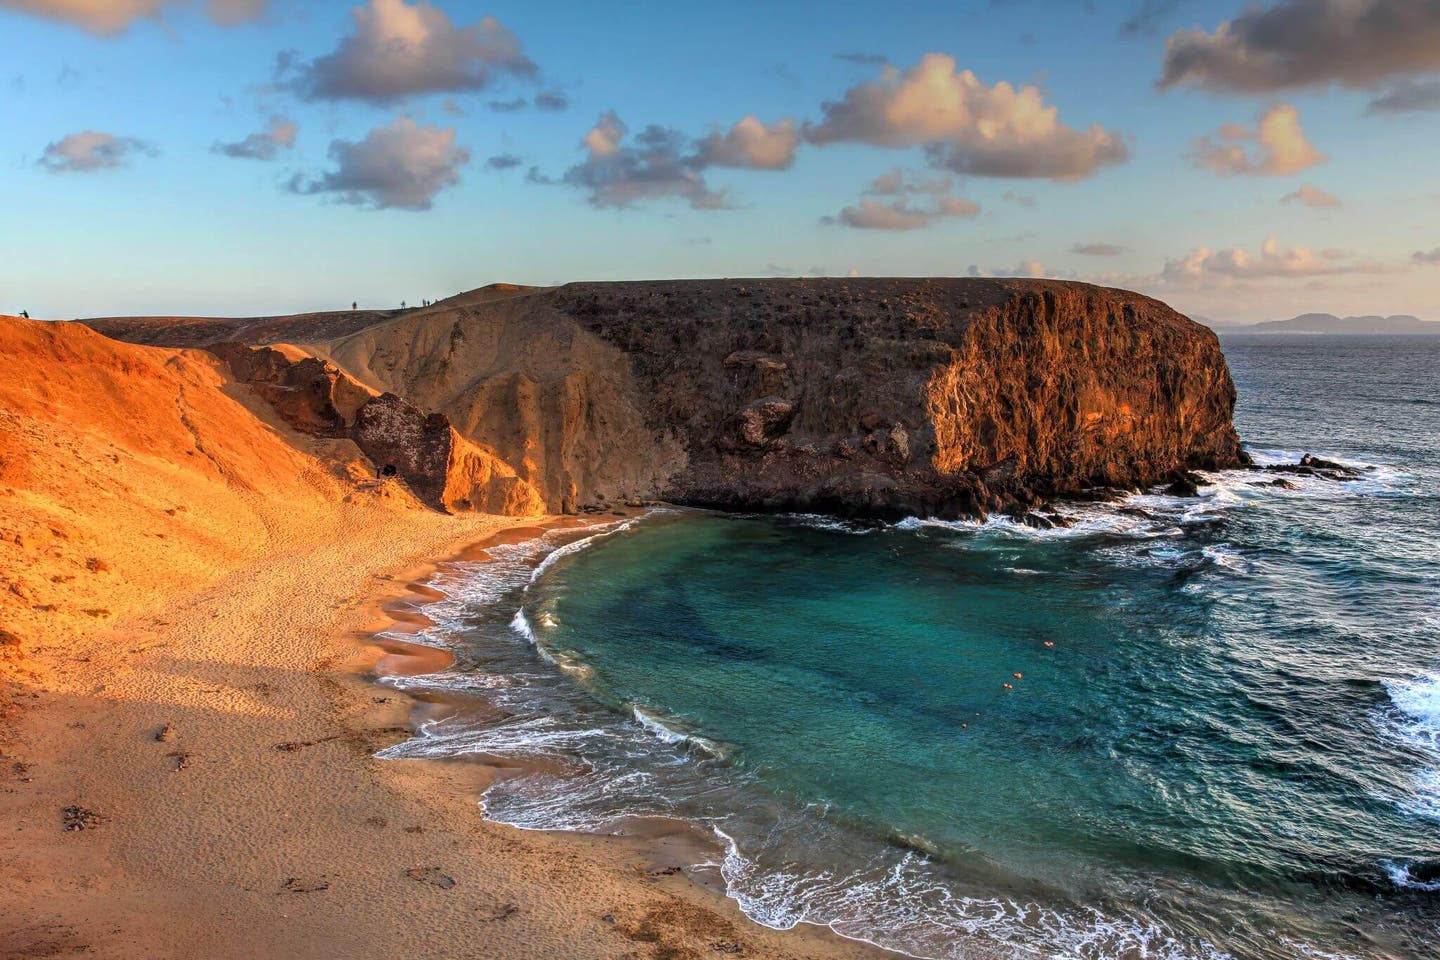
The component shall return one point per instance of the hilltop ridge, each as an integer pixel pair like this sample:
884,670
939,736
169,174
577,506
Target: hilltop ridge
1329,323
862,396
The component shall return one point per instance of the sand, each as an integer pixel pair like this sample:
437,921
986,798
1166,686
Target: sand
189,592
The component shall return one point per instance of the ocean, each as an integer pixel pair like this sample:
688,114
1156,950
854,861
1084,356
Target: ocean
1182,727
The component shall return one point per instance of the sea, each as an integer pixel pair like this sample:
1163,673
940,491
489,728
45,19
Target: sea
1199,727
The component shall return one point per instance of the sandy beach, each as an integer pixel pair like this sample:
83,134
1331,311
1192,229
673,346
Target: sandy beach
189,591
218,753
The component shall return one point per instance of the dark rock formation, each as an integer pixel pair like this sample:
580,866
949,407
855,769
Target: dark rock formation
1312,466
913,396
878,396
395,435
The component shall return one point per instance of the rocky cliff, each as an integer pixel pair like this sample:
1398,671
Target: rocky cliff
441,467
864,396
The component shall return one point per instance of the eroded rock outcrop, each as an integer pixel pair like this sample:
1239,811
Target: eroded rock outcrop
868,396
441,467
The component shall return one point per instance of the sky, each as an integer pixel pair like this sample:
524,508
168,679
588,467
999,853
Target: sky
1242,161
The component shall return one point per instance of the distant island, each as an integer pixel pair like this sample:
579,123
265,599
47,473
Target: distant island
1328,323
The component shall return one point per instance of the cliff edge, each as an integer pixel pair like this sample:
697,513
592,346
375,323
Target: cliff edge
879,397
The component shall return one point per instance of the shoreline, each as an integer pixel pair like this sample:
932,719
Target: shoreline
218,747
665,848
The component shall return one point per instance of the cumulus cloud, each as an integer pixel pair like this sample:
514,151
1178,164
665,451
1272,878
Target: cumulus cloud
750,143
660,162
1312,196
503,161
1279,147
1407,96
263,145
91,150
1306,43
901,215
899,181
551,100
400,50
620,171
1097,249
1273,261
108,18
966,126
1431,258
402,165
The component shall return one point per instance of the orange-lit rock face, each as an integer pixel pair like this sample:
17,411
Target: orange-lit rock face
867,396
442,468
1082,386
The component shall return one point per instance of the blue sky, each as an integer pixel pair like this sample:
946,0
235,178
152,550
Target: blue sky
156,220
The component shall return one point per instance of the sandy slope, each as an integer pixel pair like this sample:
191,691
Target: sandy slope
174,559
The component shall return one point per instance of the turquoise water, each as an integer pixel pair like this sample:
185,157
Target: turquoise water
1183,727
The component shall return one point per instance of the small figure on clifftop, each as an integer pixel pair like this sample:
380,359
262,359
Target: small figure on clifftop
25,314
354,305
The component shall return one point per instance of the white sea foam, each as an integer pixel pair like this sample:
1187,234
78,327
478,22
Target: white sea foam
1416,723
668,730
469,681
1226,556
907,908
1400,875
820,521
1155,514
584,543
533,738
521,625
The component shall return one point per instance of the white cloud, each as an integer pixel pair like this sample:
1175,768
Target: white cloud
91,150
400,50
899,181
263,145
1272,261
1279,147
401,165
901,215
1312,196
966,126
112,17
750,143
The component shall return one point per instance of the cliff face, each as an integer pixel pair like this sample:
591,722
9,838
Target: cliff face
914,396
883,396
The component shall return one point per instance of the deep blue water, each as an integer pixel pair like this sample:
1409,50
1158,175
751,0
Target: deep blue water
1220,734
